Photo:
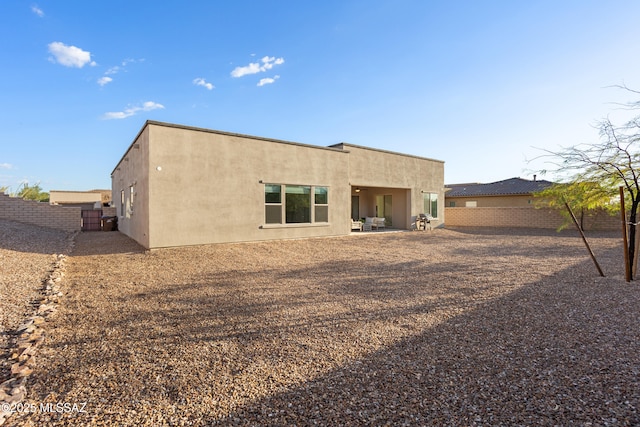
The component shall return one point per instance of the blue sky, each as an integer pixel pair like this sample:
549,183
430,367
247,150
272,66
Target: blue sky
481,85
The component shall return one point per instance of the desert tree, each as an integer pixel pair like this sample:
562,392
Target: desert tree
594,172
581,197
32,192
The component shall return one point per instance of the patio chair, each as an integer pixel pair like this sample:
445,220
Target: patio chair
369,223
378,223
423,221
356,225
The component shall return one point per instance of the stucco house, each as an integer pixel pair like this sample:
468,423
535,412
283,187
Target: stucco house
178,185
506,203
84,199
93,205
510,203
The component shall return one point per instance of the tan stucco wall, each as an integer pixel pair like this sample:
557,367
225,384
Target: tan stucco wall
405,177
133,169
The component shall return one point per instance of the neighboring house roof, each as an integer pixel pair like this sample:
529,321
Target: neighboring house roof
507,187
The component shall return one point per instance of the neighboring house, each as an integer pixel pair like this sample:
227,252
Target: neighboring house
93,205
513,192
84,199
508,203
179,185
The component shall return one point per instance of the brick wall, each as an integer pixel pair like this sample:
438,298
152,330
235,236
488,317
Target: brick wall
523,217
109,211
40,213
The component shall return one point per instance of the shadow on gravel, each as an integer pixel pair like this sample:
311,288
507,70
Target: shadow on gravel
558,350
550,353
90,243
18,237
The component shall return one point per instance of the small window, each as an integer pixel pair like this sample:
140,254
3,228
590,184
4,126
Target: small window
321,196
297,204
273,203
121,202
430,202
321,204
272,193
131,194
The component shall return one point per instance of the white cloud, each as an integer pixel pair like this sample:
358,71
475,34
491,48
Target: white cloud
256,67
122,68
35,9
202,82
128,112
268,80
6,166
104,80
70,56
252,68
269,62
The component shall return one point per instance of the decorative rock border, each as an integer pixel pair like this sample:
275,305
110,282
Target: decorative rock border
30,335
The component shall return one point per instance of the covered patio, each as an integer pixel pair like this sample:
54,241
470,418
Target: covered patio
392,204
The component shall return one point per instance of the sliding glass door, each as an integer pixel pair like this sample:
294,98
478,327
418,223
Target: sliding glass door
355,208
384,209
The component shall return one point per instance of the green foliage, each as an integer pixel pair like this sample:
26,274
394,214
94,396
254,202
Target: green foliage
32,192
596,171
581,198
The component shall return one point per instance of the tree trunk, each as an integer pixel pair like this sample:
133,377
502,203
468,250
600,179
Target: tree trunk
633,214
625,237
635,261
584,239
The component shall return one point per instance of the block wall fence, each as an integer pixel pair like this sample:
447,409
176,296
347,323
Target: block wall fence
524,217
43,214
40,213
70,218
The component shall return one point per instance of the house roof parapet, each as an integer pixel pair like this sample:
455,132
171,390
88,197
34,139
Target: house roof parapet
218,132
347,145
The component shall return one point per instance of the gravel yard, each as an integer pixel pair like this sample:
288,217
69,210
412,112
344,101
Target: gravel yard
444,327
26,254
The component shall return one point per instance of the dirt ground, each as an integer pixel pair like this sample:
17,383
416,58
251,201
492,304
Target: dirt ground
444,327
